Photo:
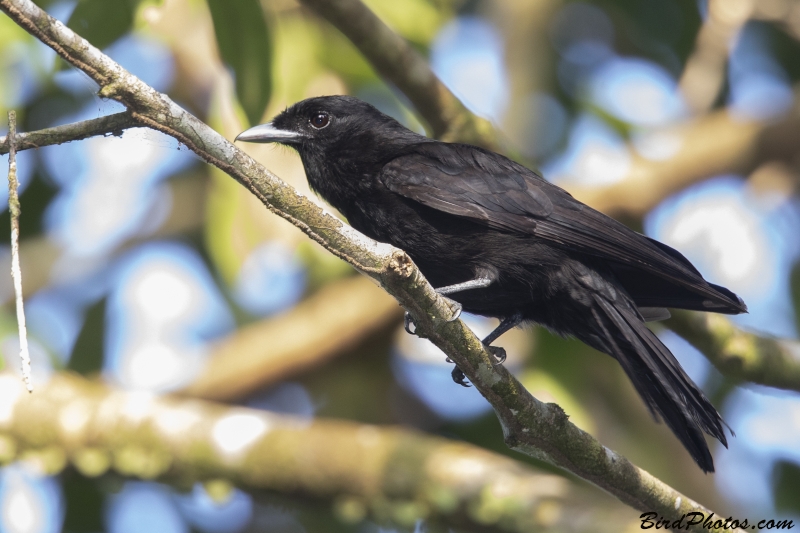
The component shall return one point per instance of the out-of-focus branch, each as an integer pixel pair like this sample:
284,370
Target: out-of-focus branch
111,124
530,426
783,13
704,74
323,325
362,470
715,144
398,62
738,354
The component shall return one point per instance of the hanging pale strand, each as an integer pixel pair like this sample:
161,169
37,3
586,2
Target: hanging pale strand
16,272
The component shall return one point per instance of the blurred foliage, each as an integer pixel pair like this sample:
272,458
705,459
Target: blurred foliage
416,20
35,199
84,504
243,38
660,30
787,487
794,284
102,22
87,354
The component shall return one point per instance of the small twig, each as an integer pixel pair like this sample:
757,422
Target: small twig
739,354
110,124
16,272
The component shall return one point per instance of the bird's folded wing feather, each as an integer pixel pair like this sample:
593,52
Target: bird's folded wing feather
470,182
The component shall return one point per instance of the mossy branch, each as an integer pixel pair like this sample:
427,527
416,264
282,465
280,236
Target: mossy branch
739,354
361,470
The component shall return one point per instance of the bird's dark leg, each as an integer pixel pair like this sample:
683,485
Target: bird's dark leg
477,283
408,322
497,351
506,324
458,377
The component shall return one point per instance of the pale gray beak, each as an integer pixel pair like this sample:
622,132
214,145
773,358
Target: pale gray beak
267,133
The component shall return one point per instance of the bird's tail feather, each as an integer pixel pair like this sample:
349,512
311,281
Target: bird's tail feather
659,379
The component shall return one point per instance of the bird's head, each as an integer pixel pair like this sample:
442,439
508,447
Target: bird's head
319,124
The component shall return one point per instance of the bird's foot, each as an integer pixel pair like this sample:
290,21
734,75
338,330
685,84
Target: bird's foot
455,308
498,353
408,321
458,377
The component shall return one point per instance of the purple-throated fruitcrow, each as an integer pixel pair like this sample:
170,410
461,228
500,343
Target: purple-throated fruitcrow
503,242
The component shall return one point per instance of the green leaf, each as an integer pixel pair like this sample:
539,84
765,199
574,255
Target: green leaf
786,483
101,22
244,44
87,354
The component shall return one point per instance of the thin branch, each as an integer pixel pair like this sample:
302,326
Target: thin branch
530,426
320,327
362,469
739,354
16,274
398,62
108,125
785,14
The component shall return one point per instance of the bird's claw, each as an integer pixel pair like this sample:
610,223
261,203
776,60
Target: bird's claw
458,377
455,307
498,353
408,321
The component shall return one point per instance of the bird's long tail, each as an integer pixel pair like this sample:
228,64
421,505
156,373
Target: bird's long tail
658,378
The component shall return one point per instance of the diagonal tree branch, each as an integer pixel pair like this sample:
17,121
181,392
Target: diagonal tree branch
110,124
398,62
530,426
363,469
739,354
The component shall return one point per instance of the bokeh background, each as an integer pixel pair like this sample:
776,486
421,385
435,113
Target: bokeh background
147,269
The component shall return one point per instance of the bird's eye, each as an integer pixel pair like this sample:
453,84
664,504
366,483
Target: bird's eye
320,120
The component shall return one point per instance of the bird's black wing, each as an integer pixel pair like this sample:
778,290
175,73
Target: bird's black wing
470,182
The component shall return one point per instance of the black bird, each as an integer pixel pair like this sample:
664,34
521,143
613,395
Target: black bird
503,242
